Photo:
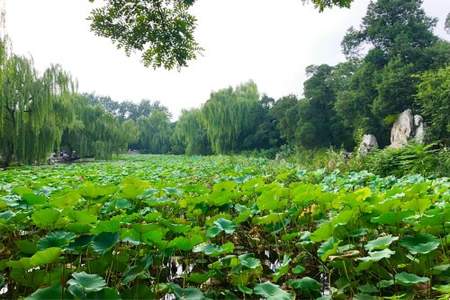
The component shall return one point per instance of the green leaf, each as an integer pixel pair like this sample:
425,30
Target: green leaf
106,226
422,243
46,256
59,239
85,283
377,255
298,269
328,248
307,286
137,270
272,199
323,232
103,242
249,261
52,292
380,243
182,243
26,247
33,199
271,291
444,289
225,225
410,279
186,293
214,250
45,218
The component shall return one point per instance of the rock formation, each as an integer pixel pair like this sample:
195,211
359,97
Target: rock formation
368,144
407,127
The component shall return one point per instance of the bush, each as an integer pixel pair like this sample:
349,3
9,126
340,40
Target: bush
427,160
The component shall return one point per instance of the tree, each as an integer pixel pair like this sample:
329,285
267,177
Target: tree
191,133
396,27
228,117
154,132
96,132
285,111
433,97
34,110
402,45
161,30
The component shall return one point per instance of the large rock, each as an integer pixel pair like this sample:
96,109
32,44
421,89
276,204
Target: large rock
368,144
407,127
419,136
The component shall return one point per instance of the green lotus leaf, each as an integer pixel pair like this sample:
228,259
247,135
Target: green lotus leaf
271,291
377,255
187,293
53,292
249,261
444,289
307,286
221,225
59,239
46,256
298,269
422,243
106,226
410,279
328,248
45,218
103,242
82,283
380,243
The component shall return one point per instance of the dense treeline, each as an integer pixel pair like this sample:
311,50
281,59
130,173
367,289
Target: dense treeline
394,62
404,65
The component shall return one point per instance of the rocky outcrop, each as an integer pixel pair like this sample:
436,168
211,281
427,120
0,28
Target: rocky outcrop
368,144
407,127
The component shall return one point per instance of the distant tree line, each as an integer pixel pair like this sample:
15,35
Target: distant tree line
394,62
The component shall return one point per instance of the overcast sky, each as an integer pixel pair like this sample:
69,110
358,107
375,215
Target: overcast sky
269,41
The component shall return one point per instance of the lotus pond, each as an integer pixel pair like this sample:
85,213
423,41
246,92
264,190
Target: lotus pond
166,227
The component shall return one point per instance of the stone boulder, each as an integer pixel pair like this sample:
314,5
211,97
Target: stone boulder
407,127
368,144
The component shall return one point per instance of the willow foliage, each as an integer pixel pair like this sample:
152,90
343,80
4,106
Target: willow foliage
155,132
33,109
96,132
191,133
227,116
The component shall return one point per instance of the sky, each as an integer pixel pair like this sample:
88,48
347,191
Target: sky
268,41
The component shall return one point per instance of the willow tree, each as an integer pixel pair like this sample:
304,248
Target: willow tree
155,132
191,133
227,117
34,110
96,132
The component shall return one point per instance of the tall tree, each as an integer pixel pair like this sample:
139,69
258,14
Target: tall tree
191,133
154,132
33,110
228,117
434,100
286,113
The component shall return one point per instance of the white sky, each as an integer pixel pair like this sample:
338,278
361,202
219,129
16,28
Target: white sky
269,41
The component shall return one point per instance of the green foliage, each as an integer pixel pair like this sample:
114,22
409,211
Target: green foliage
163,31
155,132
433,97
414,158
191,133
228,117
32,108
246,227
